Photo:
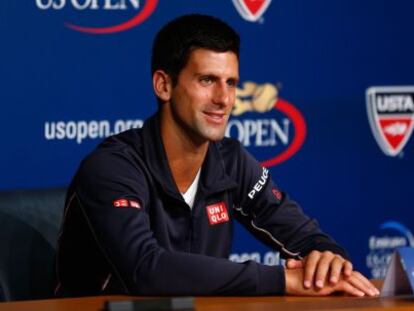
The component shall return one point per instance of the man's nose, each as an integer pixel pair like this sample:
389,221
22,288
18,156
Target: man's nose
222,94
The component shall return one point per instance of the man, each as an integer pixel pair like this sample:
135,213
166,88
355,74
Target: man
150,211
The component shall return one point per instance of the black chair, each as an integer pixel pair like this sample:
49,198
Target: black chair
29,224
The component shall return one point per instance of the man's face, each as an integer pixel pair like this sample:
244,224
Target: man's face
205,93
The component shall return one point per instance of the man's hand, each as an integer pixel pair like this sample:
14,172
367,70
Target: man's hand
326,270
355,284
318,265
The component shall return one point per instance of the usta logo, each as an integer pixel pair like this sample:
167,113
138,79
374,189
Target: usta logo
143,12
269,122
391,116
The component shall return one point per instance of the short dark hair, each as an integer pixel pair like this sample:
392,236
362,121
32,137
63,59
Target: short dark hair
175,41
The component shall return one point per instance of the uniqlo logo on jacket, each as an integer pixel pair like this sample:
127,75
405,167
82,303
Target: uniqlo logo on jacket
217,213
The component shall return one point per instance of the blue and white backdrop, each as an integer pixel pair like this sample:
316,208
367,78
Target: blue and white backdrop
325,102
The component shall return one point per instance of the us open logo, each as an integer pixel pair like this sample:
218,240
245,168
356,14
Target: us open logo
131,13
270,127
251,10
391,116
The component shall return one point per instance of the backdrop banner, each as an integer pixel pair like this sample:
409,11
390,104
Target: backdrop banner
325,101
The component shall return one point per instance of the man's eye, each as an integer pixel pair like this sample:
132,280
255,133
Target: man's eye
231,83
206,80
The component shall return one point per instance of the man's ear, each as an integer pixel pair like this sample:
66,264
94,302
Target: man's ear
162,84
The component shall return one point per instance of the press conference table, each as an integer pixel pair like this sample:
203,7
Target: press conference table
227,303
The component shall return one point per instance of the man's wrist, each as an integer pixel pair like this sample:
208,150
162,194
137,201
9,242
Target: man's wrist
293,280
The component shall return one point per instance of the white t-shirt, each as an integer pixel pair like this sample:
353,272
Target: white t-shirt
191,192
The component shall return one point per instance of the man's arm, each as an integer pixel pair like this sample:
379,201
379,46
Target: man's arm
271,216
280,223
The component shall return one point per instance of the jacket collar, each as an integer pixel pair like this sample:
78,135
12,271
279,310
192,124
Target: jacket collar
213,177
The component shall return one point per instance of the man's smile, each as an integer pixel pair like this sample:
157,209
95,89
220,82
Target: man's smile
215,117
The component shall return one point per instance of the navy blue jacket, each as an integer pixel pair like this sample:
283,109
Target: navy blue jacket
127,229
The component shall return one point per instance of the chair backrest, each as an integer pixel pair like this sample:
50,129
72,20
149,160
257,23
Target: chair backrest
29,225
